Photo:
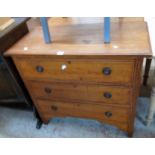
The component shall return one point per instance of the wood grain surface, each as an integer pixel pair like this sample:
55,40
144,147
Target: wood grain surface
68,76
127,38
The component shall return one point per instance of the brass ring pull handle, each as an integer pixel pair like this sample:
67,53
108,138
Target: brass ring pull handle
39,69
107,95
107,71
54,108
108,114
48,90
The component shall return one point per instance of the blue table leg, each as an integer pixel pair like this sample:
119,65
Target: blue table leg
45,29
107,29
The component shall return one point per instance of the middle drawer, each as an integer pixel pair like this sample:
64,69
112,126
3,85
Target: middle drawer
78,92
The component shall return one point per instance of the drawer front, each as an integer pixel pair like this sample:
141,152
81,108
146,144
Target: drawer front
110,71
109,94
51,109
46,90
91,93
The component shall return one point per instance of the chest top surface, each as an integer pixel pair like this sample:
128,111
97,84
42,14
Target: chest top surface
129,38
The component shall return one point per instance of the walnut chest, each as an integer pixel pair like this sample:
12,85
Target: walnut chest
77,75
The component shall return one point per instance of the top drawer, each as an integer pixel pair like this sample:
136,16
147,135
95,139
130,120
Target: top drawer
107,71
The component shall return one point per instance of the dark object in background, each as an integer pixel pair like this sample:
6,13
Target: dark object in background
12,89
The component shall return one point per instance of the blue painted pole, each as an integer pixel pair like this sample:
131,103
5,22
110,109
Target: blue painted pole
45,29
106,29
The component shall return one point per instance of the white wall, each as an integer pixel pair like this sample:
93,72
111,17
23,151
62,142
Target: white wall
151,26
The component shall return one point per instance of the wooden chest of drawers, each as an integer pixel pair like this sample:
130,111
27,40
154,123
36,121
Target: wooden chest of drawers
92,80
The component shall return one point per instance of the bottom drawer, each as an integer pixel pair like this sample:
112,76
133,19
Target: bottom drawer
49,109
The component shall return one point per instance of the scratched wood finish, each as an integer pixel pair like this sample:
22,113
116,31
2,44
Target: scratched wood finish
127,38
78,90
